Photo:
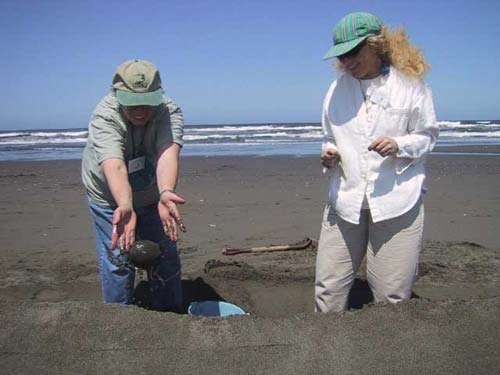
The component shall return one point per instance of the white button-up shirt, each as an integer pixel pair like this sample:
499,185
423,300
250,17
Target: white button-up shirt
400,108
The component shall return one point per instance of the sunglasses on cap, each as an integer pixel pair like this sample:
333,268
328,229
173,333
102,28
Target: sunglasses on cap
354,52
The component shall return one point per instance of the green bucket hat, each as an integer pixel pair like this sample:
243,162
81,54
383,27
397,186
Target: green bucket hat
137,82
351,31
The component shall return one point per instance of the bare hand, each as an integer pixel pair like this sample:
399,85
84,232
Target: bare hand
329,157
385,146
124,222
169,214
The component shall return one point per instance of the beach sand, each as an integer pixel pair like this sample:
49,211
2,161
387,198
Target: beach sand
52,321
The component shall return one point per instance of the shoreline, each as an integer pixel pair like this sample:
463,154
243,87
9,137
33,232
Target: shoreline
287,152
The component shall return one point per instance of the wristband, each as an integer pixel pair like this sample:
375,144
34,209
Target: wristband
165,191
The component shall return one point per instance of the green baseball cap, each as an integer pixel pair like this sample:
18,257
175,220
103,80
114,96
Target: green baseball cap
351,31
137,82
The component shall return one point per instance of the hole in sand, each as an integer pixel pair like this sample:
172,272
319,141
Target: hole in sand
274,292
282,284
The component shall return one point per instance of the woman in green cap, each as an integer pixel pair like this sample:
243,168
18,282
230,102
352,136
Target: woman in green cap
379,124
130,167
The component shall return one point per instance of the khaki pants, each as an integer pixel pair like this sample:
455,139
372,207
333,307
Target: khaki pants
392,248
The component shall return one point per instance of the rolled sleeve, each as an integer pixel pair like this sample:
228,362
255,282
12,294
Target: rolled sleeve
108,139
422,127
176,121
328,137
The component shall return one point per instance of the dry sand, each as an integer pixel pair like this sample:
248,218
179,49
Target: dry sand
53,322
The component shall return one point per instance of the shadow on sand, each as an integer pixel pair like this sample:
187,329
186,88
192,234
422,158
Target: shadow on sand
192,291
362,295
198,290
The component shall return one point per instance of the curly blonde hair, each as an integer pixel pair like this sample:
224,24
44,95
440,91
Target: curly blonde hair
395,48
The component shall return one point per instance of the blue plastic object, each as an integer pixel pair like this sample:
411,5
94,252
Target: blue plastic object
214,309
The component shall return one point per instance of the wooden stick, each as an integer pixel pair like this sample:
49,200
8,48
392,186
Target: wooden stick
297,246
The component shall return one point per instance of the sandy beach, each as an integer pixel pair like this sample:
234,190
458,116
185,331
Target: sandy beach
52,321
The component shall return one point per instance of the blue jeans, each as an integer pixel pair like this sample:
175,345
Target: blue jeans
117,281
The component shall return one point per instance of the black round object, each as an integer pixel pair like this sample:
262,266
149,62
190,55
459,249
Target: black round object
144,254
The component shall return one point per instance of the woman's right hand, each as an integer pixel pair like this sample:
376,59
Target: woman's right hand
329,157
124,222
169,214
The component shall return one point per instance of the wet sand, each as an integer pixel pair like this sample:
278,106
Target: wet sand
53,322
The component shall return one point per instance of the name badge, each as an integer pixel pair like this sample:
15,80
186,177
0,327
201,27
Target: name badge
137,164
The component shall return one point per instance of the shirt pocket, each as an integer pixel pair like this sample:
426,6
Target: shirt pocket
397,120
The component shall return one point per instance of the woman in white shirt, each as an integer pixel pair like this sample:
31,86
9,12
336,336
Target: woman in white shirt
379,124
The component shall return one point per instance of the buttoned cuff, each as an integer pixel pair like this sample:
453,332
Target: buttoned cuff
404,160
327,145
402,144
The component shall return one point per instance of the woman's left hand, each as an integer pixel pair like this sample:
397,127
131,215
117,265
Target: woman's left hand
385,146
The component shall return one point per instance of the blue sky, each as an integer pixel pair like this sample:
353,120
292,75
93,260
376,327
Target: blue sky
229,61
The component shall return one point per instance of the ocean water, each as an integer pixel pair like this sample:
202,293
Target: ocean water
297,139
